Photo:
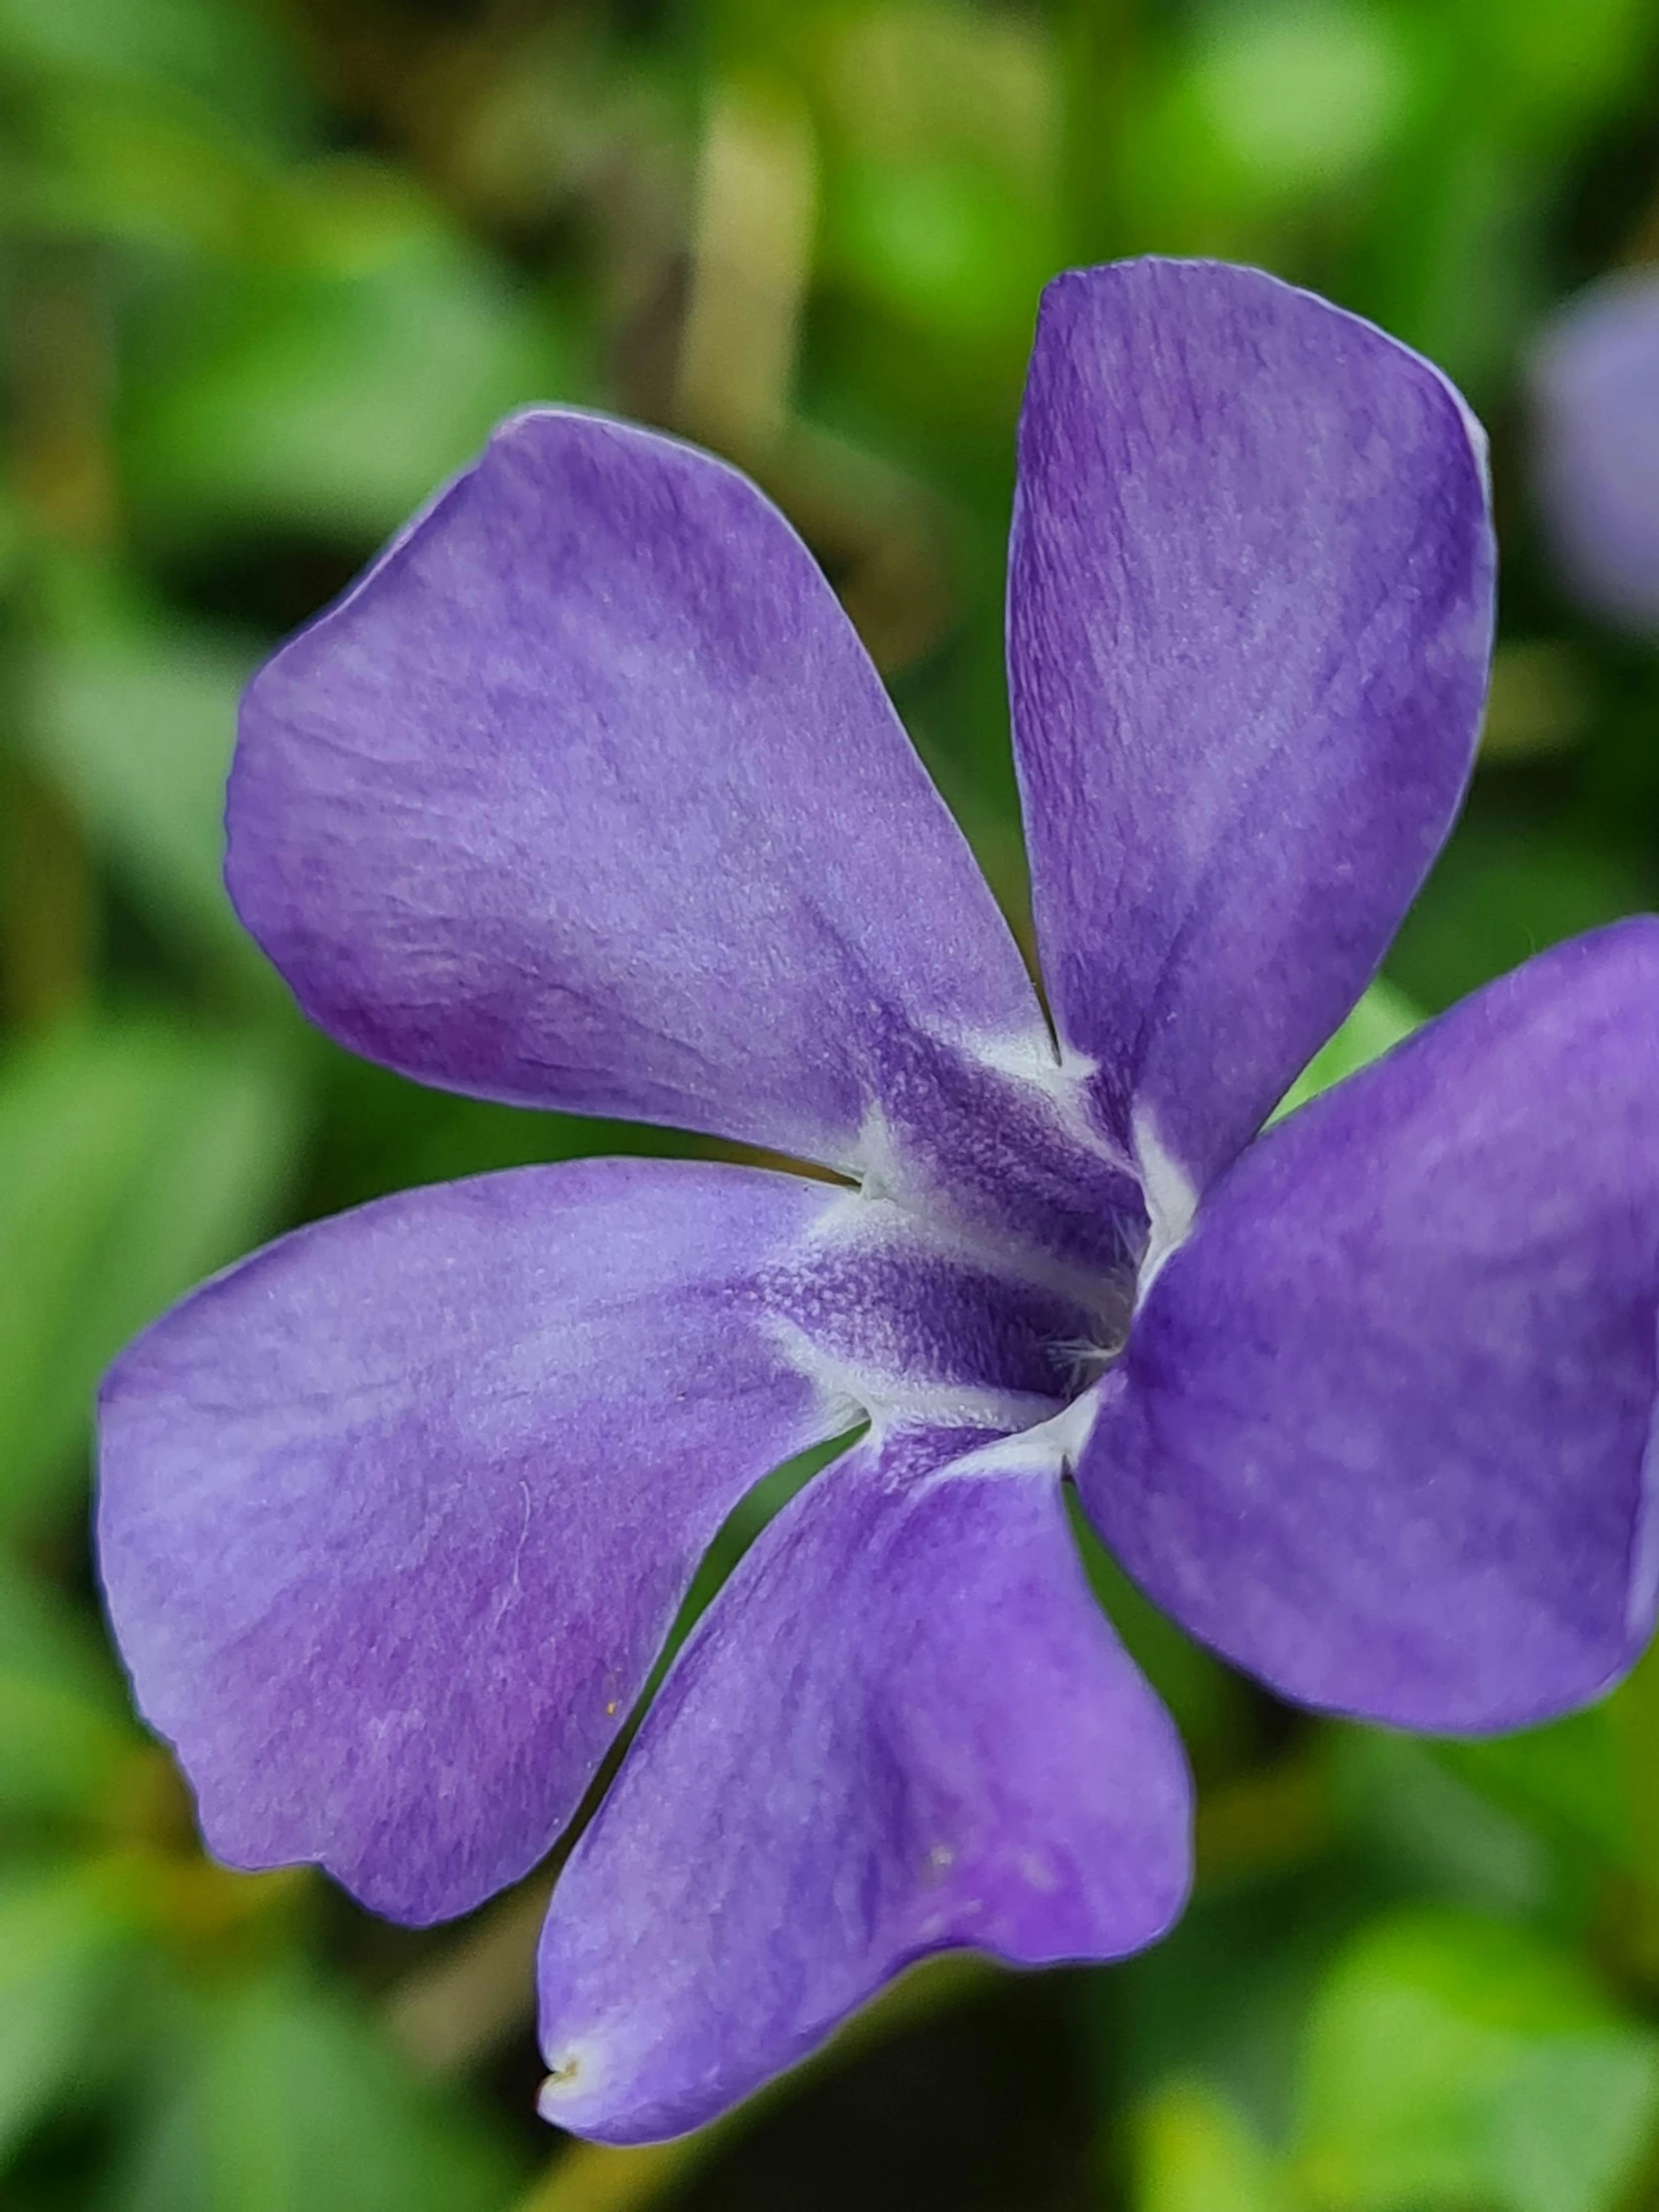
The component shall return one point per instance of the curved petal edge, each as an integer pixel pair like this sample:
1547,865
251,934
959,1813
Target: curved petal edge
904,1726
1250,608
1385,1430
587,796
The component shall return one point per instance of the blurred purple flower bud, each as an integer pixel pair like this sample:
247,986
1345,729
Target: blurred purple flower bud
1595,386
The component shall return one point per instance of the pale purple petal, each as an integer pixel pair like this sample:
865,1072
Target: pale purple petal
588,796
1595,381
1250,611
394,1516
1383,1432
904,1726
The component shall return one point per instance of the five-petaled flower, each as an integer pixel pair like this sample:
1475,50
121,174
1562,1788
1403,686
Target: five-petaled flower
586,796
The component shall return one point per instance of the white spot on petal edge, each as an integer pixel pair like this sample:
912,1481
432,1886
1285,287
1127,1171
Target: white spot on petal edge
569,2076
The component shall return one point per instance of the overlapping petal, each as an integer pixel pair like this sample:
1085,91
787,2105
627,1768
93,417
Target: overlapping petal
1383,1432
394,1516
904,1725
1249,606
587,796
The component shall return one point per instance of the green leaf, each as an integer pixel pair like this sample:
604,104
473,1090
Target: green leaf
222,57
1541,69
1568,1780
1428,1830
66,1939
1302,95
64,1731
1630,1718
1453,2061
1382,1017
1194,2151
333,390
133,1160
135,717
287,2100
107,162
943,244
1227,1992
1499,893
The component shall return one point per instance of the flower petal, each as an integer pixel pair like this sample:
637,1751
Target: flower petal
1383,1431
904,1726
588,796
1250,611
1595,382
395,1516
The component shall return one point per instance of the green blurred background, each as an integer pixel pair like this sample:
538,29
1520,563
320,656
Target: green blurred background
268,271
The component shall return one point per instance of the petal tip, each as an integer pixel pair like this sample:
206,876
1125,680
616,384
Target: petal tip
569,2082
1198,274
583,2094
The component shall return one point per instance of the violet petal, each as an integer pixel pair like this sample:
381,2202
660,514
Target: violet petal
1249,610
395,1516
1383,1431
904,1726
588,796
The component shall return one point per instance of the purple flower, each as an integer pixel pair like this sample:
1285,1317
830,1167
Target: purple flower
586,796
1595,388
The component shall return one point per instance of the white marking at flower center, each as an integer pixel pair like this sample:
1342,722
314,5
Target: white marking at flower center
876,1160
1063,1083
1047,1449
1171,1200
846,1390
919,1195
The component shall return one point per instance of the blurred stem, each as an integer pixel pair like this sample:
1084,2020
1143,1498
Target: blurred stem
474,1996
59,379
1097,44
46,904
752,259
